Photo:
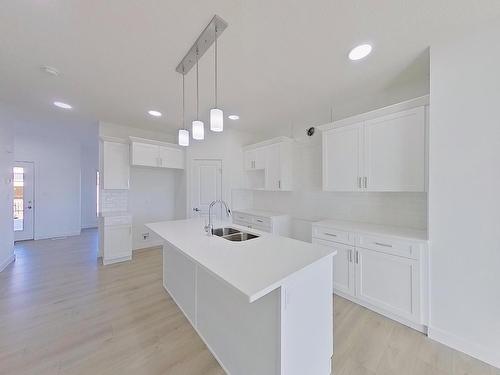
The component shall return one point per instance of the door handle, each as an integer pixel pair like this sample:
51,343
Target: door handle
366,182
360,185
196,209
383,244
356,256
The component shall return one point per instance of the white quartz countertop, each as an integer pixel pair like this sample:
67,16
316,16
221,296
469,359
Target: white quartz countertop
257,212
254,267
382,230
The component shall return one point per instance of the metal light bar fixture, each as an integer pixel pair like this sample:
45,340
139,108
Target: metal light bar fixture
202,44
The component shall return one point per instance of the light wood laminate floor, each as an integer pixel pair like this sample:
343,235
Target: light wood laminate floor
62,312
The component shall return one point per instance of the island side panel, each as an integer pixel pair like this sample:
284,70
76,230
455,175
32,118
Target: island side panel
307,320
179,279
244,337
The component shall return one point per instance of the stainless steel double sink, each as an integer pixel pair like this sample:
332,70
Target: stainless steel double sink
233,234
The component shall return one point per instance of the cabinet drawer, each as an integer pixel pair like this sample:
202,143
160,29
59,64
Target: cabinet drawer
331,234
388,245
118,220
239,217
261,221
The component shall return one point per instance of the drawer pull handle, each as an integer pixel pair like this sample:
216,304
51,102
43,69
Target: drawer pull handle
382,244
330,234
260,221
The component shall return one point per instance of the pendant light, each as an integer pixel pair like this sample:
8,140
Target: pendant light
183,133
198,127
216,114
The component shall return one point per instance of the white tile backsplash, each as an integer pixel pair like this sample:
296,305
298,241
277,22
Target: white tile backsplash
114,200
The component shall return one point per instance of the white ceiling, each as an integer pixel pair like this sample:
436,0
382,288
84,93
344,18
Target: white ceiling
280,60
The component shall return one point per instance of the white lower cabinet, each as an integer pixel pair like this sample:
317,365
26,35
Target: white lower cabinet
343,266
115,238
264,221
390,284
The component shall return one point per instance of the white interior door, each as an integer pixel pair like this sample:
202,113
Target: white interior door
206,185
23,200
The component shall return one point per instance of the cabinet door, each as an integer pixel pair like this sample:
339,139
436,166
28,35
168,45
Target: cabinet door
117,241
343,266
388,282
249,157
273,170
395,152
116,165
171,157
145,154
342,157
260,158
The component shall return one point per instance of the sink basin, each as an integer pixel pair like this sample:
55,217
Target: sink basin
241,236
233,234
221,232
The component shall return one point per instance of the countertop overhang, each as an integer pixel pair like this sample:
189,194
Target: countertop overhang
254,267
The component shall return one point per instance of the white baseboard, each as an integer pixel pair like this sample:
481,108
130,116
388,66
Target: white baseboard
485,354
7,261
57,235
418,327
147,245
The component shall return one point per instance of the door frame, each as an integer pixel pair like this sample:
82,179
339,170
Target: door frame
33,200
189,182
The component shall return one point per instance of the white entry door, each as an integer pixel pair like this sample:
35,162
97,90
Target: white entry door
23,200
206,185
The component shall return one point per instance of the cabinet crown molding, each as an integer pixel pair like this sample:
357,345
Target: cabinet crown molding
154,142
267,142
370,115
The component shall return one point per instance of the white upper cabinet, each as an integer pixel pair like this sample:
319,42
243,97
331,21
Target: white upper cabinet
395,152
155,154
115,165
256,159
144,154
386,152
273,159
342,157
171,157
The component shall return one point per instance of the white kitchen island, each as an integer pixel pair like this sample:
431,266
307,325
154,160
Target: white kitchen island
262,306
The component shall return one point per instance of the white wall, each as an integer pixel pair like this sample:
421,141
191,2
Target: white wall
6,191
464,193
89,166
154,192
57,209
151,198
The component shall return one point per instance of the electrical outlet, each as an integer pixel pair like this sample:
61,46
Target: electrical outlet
145,236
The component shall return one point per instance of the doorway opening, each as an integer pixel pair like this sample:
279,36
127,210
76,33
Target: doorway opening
23,202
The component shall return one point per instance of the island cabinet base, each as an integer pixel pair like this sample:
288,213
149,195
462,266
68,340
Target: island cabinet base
287,331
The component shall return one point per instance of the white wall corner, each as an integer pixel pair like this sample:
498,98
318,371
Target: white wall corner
11,258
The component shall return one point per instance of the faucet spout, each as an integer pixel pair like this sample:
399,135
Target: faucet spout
209,228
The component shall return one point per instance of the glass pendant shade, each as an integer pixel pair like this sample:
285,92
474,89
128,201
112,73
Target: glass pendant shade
198,130
216,120
183,137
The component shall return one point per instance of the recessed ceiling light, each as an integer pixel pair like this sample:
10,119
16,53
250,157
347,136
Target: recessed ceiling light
233,117
50,70
62,105
359,52
155,113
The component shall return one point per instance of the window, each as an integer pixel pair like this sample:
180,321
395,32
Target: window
18,198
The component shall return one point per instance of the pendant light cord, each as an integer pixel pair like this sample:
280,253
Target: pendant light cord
183,101
216,67
197,87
